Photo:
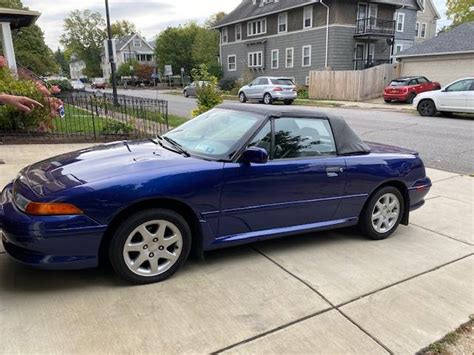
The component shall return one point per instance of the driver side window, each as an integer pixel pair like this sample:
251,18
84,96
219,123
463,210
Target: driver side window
463,85
303,137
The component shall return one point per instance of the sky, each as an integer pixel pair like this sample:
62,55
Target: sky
149,16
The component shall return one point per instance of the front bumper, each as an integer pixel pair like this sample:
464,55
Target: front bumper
51,242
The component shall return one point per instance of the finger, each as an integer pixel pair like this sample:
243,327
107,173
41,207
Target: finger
31,103
22,107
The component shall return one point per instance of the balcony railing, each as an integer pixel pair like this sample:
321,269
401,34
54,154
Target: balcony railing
374,26
360,64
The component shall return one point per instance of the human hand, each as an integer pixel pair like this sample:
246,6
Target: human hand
21,103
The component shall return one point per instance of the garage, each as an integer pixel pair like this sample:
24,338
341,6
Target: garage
445,58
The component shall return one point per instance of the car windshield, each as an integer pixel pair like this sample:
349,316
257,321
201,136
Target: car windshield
399,83
216,134
282,82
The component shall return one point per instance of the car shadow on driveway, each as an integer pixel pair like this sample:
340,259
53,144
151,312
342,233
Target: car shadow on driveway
19,278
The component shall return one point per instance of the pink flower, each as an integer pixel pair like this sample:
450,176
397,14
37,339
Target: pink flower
3,62
55,89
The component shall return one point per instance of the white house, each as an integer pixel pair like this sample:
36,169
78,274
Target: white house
131,47
12,19
76,68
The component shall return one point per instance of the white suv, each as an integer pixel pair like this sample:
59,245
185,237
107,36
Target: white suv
455,97
269,89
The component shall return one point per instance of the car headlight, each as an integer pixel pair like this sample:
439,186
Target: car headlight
20,201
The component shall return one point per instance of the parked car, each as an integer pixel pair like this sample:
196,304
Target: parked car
269,89
234,175
190,90
455,97
98,83
405,89
78,85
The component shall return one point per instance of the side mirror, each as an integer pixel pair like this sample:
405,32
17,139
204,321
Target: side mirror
254,155
250,84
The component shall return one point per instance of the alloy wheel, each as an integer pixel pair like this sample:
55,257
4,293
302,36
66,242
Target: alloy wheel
153,248
267,99
385,213
426,108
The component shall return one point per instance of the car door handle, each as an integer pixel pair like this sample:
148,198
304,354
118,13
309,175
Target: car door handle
334,171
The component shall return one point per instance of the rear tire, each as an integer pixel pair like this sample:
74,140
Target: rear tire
288,102
411,98
185,93
242,98
267,99
426,108
382,214
387,101
150,246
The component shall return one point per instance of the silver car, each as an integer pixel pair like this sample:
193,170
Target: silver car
269,89
190,90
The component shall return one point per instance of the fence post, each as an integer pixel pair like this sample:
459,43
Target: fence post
93,118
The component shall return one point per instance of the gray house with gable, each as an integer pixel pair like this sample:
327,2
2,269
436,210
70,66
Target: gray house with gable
292,37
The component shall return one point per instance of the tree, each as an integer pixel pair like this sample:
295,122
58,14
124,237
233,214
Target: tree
174,47
207,93
62,62
84,34
214,19
123,28
127,69
460,11
206,50
30,48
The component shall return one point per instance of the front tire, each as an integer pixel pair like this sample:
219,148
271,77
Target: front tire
267,99
185,93
242,98
150,246
427,108
382,214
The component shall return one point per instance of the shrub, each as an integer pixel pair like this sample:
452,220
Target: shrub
302,92
228,84
208,95
117,128
40,119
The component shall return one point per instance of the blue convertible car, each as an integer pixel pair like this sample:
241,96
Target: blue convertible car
234,175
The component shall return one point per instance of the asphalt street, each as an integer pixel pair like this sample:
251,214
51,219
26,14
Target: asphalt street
444,143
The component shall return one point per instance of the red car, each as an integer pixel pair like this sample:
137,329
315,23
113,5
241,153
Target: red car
405,89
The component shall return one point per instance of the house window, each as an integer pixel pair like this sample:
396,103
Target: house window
283,22
290,53
225,35
257,27
400,22
308,17
232,62
137,42
423,30
128,56
371,53
255,59
417,29
306,56
306,81
238,32
398,48
275,58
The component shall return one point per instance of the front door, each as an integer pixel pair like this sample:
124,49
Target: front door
300,186
359,56
455,96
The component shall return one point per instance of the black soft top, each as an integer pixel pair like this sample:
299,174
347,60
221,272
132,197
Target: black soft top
347,141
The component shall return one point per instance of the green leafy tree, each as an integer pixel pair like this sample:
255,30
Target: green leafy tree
214,19
206,50
123,28
31,50
460,11
62,62
127,69
207,93
84,34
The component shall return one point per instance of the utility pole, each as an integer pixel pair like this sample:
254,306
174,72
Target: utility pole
111,54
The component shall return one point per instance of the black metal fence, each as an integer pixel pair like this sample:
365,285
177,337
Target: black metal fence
92,117
375,26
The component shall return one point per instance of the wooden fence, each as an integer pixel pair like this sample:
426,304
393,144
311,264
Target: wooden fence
351,85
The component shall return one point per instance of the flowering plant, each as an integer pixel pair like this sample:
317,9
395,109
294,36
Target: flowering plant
41,118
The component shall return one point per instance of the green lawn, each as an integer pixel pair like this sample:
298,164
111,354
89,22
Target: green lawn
79,121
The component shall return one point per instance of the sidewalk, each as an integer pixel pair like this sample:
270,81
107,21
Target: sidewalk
333,292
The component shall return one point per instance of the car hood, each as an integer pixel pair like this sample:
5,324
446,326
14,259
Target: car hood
97,163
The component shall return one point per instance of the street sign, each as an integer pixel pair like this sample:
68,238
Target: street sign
168,70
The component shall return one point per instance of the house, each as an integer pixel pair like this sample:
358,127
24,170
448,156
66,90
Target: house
415,26
444,58
292,37
126,49
76,68
11,19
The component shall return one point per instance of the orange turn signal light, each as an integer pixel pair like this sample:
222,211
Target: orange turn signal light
52,209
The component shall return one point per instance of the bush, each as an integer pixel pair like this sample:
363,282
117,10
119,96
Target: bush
63,85
40,119
302,92
228,84
208,95
117,128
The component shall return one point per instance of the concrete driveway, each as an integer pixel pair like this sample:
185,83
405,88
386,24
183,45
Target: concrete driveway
333,292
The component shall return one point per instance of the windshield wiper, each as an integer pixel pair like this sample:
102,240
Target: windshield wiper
176,145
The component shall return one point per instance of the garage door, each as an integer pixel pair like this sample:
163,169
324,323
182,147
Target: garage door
442,69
